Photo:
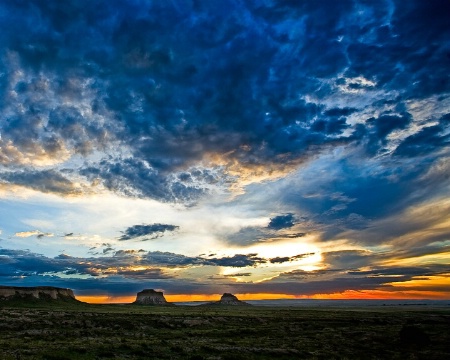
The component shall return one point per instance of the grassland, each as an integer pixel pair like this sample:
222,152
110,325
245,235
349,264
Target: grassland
71,331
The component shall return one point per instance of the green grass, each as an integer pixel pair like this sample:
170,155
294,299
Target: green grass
81,331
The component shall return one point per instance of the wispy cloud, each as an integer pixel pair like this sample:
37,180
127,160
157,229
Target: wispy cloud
37,233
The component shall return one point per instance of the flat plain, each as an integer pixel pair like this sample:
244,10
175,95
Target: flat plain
85,332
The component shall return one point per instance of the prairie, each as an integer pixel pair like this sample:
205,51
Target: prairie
80,331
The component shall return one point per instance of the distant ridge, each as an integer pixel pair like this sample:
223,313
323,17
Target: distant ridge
36,293
151,297
227,299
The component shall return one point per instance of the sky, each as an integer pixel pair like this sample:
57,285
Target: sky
271,149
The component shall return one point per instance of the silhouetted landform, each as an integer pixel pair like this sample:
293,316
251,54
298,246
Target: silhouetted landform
228,299
151,297
37,293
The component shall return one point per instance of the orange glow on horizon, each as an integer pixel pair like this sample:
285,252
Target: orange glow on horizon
345,295
105,299
216,297
414,289
442,281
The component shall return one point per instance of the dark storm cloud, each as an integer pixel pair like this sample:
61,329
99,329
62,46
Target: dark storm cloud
133,177
238,260
152,230
281,222
26,263
47,181
173,81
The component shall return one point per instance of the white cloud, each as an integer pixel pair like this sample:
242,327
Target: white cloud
25,234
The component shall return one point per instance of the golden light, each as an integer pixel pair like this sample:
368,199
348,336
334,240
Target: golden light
105,299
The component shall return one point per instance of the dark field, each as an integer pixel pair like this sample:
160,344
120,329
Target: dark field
132,332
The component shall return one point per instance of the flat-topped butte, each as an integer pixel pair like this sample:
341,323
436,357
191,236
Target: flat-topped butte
9,293
151,297
228,299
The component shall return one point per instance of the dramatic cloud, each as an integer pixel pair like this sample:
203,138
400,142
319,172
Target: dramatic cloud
129,270
152,230
170,106
125,263
262,129
25,263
